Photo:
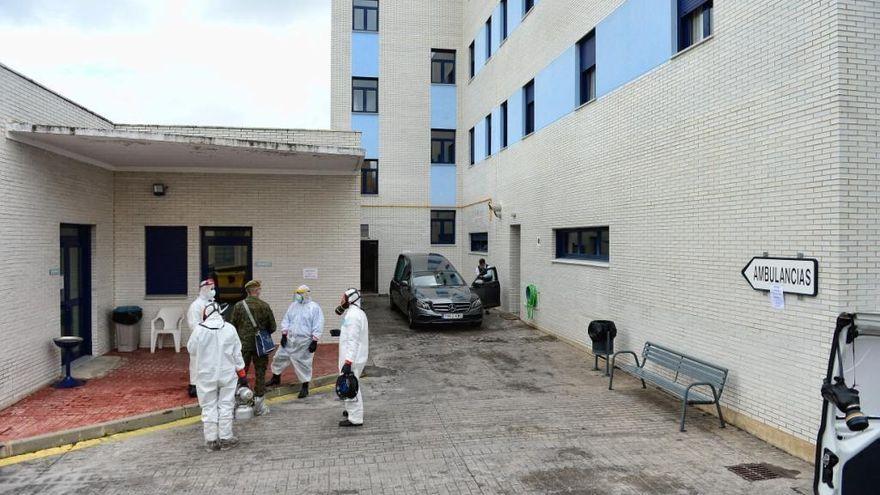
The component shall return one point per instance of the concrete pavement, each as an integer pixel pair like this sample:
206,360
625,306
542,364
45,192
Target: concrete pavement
502,409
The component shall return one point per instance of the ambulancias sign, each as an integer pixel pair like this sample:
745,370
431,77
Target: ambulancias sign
794,275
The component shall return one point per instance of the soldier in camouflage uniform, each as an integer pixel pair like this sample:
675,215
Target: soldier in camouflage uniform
247,333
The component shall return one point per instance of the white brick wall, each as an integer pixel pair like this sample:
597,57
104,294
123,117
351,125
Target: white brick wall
40,191
721,154
298,222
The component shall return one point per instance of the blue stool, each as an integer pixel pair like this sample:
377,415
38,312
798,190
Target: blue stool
67,344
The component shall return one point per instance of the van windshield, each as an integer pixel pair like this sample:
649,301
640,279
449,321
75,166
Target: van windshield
443,278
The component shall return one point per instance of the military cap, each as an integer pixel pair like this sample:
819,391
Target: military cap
253,284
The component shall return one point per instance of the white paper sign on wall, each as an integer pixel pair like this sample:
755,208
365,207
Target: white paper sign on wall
310,273
793,275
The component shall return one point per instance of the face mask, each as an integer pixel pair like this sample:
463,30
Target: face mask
212,293
342,306
298,298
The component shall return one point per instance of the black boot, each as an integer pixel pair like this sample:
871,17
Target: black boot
344,414
275,381
304,390
192,391
346,422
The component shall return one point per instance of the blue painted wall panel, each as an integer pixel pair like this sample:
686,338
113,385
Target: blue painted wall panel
634,39
368,125
480,141
514,15
364,54
556,89
443,106
480,50
496,130
515,122
443,184
496,28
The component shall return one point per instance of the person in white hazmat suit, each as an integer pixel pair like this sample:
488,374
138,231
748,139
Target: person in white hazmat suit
301,330
354,341
194,316
216,349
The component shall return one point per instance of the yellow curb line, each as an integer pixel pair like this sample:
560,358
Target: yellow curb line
130,434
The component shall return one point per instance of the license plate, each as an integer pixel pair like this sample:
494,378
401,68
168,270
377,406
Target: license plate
452,316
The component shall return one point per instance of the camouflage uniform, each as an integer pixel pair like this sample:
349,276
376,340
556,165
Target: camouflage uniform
247,333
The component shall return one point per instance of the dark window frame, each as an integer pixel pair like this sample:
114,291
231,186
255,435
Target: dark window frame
488,38
503,20
364,90
366,10
443,66
591,251
686,10
479,240
447,145
529,108
489,135
528,5
472,62
444,236
503,124
471,145
165,271
367,171
586,48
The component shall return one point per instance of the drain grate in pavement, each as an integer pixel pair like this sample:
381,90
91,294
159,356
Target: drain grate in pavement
760,471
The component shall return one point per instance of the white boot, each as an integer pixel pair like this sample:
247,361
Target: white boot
260,407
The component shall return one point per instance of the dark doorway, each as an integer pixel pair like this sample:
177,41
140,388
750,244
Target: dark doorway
76,286
226,257
370,266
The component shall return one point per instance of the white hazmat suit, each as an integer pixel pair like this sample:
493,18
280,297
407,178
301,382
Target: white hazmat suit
354,342
216,349
195,315
303,323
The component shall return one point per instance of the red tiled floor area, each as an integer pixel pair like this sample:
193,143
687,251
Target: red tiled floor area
143,383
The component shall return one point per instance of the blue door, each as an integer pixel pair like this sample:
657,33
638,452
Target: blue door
76,285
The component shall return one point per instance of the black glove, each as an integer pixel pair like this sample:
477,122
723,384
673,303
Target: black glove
284,341
313,346
243,382
346,369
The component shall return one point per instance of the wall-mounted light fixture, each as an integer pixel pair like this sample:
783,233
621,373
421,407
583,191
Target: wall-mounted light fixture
159,189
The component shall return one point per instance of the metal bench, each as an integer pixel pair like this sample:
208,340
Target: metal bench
686,373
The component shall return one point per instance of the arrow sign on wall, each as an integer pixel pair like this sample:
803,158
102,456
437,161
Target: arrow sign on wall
794,275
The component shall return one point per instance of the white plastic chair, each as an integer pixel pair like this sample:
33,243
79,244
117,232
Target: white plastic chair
171,318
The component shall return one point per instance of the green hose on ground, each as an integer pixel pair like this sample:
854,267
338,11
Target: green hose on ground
531,300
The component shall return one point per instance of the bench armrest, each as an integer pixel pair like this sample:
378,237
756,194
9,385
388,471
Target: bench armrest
634,355
715,394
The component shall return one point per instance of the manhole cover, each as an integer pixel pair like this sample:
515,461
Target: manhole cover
760,471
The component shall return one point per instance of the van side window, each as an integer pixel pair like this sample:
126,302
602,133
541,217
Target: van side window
398,270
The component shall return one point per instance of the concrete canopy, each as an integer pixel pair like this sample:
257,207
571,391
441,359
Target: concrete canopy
148,151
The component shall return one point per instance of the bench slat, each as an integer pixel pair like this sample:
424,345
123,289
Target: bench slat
663,360
677,389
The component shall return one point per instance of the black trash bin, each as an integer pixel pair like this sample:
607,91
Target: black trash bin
128,331
602,333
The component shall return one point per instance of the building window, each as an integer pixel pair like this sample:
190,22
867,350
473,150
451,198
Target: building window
471,53
365,15
227,256
587,67
529,104
364,94
503,20
370,177
165,256
527,6
442,226
365,231
488,38
489,135
503,125
471,144
442,146
443,66
584,243
695,21
480,242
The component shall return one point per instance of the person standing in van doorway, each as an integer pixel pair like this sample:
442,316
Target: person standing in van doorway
247,332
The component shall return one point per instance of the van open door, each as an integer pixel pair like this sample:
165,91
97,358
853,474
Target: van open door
848,444
488,288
